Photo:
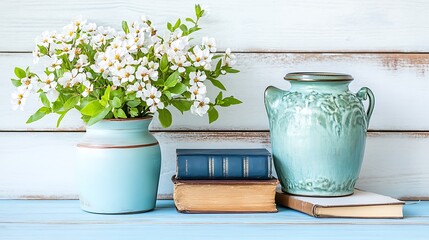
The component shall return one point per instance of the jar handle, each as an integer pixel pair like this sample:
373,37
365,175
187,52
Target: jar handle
364,94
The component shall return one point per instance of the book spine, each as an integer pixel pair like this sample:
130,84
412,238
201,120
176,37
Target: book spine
223,167
290,202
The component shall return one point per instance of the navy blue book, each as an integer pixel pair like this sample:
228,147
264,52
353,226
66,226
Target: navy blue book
223,164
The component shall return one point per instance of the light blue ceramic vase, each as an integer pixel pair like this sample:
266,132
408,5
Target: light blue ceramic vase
318,133
119,164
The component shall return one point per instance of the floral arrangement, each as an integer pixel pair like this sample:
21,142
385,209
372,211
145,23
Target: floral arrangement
104,73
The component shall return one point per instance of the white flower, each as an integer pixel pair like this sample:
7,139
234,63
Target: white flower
145,74
90,27
198,91
47,82
98,40
152,98
108,32
127,74
209,43
138,88
196,77
65,48
55,63
229,58
66,80
69,32
88,88
199,56
142,73
159,49
178,46
29,84
45,39
19,98
100,69
153,65
81,63
129,60
36,55
180,63
79,22
69,79
130,45
200,107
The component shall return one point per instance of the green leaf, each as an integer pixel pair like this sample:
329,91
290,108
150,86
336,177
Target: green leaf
70,103
105,98
182,105
217,56
164,63
39,114
184,28
60,119
121,113
170,27
228,101
219,98
231,70
165,117
167,94
45,100
20,73
133,103
43,50
116,102
134,112
172,79
92,109
117,93
16,83
190,20
198,10
125,27
213,114
99,116
217,84
177,24
178,89
57,105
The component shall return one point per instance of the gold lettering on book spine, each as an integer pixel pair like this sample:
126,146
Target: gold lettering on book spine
246,167
225,166
210,167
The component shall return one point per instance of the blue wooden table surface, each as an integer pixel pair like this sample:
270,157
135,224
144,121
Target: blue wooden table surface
63,219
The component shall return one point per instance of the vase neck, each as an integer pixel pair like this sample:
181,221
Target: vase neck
140,124
323,87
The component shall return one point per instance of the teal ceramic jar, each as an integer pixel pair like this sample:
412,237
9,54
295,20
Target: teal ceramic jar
119,164
318,133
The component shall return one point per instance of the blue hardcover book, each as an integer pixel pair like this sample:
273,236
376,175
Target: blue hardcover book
223,164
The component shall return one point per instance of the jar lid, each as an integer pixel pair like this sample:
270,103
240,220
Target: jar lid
317,76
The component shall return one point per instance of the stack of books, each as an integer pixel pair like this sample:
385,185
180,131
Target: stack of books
224,181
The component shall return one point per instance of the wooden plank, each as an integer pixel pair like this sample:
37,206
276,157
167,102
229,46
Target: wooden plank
214,232
46,211
400,83
269,25
395,164
64,220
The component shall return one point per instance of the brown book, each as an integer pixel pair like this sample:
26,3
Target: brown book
361,204
225,196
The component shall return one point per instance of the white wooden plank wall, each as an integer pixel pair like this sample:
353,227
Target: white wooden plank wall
383,44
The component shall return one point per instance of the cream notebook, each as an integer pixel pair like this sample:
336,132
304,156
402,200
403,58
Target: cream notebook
361,204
